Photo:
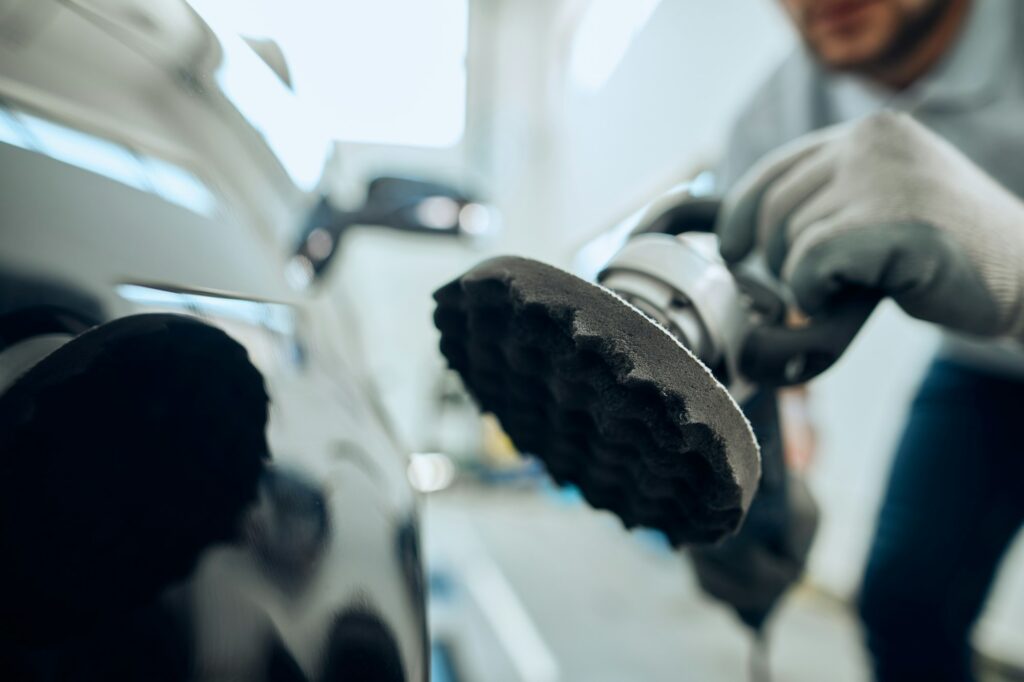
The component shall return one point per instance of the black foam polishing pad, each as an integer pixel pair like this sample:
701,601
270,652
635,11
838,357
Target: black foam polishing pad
123,454
609,400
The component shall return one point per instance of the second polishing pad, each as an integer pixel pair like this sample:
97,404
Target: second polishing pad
609,400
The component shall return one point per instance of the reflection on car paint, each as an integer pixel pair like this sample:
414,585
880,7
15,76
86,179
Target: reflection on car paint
267,104
267,330
109,159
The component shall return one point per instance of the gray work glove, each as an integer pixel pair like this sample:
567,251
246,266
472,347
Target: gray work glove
887,205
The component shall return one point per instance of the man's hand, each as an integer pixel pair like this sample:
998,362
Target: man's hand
885,204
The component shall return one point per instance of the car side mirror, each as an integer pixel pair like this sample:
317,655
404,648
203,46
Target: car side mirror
399,203
424,206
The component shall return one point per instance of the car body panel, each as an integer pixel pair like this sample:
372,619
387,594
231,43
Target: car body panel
132,174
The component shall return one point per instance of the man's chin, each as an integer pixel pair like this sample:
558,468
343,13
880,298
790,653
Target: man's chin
855,58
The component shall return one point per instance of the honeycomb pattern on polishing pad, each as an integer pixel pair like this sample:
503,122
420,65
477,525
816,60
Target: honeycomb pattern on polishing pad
607,399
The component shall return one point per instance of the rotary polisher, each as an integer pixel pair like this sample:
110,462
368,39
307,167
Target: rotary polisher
630,388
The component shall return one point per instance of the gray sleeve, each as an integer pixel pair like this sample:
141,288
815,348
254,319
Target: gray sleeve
742,150
783,108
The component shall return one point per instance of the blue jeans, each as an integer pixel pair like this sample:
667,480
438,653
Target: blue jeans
954,502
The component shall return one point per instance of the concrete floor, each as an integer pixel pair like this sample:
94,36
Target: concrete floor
541,588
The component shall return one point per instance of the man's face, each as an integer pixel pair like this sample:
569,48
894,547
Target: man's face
862,34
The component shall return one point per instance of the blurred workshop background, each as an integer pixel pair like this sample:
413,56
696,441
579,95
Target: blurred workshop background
563,118
567,116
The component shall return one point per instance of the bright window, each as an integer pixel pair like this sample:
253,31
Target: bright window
605,33
380,71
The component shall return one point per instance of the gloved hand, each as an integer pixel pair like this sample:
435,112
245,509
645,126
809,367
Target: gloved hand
887,205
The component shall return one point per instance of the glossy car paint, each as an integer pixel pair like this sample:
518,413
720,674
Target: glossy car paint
151,161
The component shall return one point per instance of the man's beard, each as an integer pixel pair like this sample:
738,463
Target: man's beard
914,29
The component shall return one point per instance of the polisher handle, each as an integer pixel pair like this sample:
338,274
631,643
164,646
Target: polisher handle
779,355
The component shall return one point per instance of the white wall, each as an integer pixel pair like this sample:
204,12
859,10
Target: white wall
666,110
